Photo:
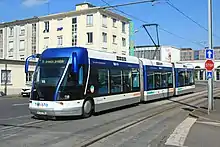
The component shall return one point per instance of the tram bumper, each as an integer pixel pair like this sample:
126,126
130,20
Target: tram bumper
55,111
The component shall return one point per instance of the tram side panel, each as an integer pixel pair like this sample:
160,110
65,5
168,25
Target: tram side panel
184,76
115,86
158,80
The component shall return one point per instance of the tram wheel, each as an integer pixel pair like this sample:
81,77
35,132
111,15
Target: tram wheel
87,109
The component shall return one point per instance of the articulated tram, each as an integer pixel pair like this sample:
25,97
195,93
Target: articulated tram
80,81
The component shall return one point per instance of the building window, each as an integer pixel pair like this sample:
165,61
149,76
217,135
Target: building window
60,40
123,27
46,42
46,27
34,39
104,21
123,42
22,57
59,26
4,74
11,31
1,33
10,48
114,22
22,45
114,39
74,31
29,76
104,36
22,30
90,37
123,52
89,20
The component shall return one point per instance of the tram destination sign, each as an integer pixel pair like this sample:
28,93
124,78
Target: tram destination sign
53,61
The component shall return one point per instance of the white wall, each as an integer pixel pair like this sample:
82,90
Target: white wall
27,37
167,51
82,30
18,78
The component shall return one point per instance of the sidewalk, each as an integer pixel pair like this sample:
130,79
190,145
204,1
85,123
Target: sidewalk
206,130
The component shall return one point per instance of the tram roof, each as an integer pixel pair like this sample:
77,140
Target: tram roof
155,62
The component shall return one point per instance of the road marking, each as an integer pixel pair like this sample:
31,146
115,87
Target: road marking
178,137
20,104
15,117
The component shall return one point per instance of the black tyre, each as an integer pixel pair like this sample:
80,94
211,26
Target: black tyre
87,109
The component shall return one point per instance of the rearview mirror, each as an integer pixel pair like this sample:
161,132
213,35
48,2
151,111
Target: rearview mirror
28,59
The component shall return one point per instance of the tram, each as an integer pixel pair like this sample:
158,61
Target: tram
79,81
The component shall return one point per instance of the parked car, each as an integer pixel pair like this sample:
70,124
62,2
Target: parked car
26,91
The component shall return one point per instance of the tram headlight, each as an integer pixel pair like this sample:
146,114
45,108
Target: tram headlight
67,97
62,96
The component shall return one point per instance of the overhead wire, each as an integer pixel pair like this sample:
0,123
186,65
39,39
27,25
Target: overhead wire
181,12
143,21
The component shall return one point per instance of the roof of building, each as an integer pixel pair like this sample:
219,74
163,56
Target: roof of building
186,49
91,9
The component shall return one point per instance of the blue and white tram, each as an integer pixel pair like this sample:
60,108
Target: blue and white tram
184,78
79,81
158,79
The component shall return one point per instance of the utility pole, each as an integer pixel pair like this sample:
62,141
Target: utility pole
210,80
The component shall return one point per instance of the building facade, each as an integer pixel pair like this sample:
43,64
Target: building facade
186,54
19,39
200,71
163,53
88,26
16,77
190,54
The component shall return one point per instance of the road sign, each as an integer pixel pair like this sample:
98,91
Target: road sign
209,74
209,54
209,65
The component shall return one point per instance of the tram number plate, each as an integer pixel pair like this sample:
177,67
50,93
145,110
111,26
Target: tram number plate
41,113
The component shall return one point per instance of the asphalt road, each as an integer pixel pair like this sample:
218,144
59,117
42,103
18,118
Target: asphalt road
57,133
13,107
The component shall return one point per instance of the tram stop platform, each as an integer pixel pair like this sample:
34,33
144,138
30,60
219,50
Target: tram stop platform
205,132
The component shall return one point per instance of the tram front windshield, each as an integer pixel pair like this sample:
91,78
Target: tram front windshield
47,76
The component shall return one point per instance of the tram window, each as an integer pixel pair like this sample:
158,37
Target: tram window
81,75
187,78
135,80
164,80
126,81
103,81
191,77
150,81
170,79
116,81
157,79
181,78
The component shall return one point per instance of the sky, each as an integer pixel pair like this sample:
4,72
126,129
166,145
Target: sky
160,13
